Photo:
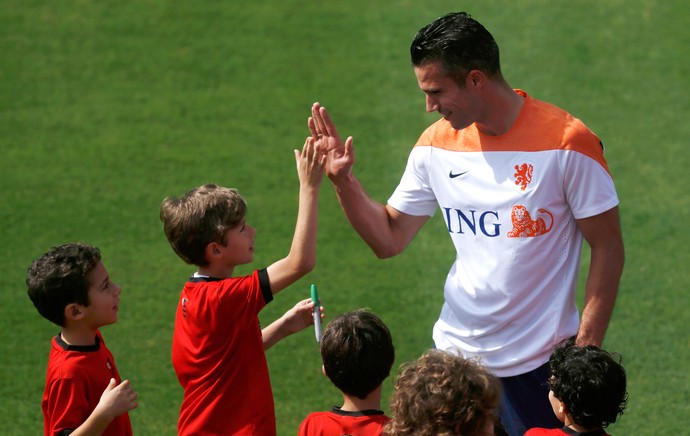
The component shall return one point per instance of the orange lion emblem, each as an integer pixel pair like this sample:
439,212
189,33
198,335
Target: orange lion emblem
526,227
523,175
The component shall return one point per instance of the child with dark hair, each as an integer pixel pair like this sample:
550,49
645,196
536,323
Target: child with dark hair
444,394
588,390
84,393
357,352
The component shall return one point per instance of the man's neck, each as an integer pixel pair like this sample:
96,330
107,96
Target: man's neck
503,108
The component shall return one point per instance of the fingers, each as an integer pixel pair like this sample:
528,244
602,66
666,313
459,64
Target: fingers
327,123
317,120
349,150
130,395
312,127
321,123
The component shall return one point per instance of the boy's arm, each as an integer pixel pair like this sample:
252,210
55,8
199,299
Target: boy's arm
302,256
296,319
115,400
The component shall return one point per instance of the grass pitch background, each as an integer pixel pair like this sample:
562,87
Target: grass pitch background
108,107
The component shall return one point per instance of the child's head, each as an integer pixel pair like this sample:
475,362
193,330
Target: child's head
60,277
442,393
200,217
357,352
590,384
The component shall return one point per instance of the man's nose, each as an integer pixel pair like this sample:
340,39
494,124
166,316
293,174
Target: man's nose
431,105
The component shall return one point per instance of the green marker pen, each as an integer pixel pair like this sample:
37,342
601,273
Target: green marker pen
317,312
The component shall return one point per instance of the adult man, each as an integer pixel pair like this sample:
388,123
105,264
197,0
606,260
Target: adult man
519,183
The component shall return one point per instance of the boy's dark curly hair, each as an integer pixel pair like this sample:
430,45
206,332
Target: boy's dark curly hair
59,277
590,382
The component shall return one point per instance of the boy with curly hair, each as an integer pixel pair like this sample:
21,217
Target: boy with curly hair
357,352
84,393
218,349
444,394
588,390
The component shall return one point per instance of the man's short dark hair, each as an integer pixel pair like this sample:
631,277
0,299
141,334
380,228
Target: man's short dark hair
357,352
590,382
59,277
459,43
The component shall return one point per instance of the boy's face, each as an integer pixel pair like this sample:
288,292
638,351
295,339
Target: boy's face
556,406
104,297
239,244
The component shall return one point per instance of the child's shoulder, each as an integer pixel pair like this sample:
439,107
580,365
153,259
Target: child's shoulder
545,432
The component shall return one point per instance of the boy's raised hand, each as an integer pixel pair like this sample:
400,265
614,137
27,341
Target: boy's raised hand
310,163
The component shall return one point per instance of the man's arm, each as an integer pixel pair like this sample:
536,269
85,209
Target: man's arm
386,230
603,234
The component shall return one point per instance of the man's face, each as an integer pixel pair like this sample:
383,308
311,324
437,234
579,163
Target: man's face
458,105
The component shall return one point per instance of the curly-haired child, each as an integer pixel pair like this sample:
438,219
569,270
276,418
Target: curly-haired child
588,390
444,394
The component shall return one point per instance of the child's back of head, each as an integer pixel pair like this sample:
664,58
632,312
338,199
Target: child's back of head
357,352
60,277
200,217
442,393
590,383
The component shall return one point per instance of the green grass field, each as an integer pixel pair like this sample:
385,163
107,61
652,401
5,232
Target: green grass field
108,107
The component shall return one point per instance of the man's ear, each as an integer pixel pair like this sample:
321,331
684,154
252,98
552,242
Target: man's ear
73,312
323,370
475,79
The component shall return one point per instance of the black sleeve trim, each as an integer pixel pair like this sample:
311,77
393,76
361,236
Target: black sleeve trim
265,285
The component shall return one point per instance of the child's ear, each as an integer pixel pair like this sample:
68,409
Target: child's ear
73,312
213,250
323,370
563,409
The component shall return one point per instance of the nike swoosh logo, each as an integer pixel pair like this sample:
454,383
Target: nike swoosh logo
452,176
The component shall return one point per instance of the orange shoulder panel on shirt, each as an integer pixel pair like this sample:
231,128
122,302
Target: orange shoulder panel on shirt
540,126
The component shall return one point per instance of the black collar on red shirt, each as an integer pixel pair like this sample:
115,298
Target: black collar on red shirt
200,279
83,348
569,431
368,412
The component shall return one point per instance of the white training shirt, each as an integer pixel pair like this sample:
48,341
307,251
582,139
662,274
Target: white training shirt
510,294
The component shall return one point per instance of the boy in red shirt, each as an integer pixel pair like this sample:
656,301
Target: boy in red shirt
357,353
84,393
218,346
588,390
